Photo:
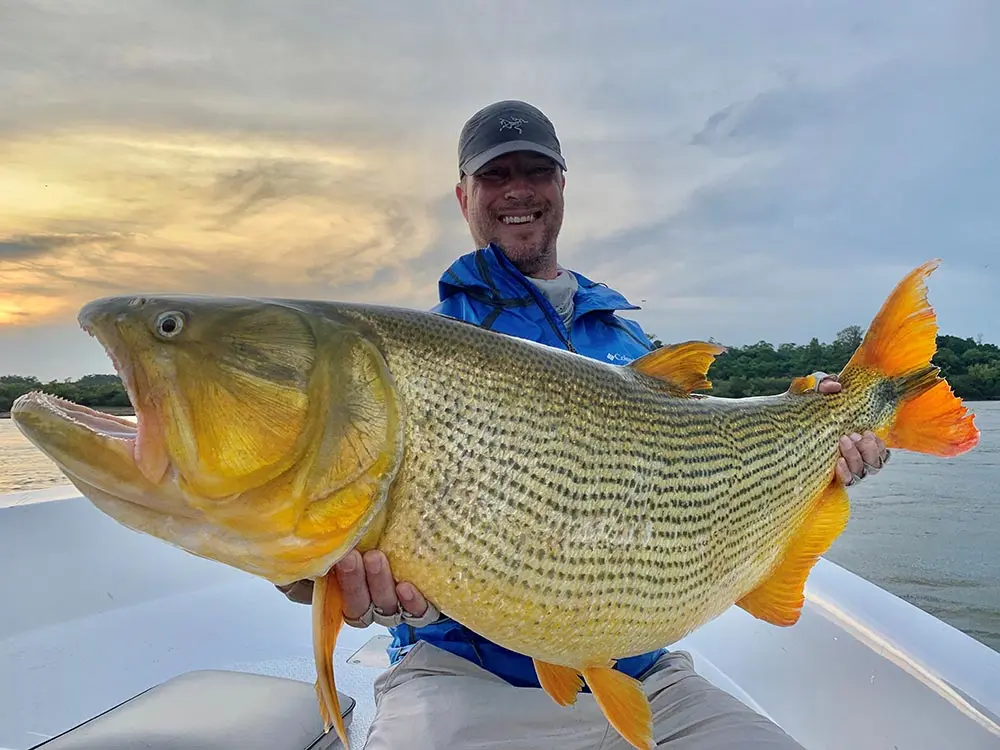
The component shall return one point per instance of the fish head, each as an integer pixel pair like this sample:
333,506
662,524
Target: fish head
220,388
265,435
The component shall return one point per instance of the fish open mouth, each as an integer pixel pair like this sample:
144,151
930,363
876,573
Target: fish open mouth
98,452
148,448
87,444
92,448
110,426
74,435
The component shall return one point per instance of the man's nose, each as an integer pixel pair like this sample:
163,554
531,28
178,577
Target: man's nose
520,187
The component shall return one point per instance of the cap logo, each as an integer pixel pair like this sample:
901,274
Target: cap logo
514,123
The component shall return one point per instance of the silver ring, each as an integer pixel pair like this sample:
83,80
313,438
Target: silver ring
400,616
882,461
388,619
374,615
819,377
431,615
365,620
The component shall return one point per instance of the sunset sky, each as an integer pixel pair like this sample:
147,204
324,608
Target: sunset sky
743,170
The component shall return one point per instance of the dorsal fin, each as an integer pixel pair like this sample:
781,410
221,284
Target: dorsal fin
684,365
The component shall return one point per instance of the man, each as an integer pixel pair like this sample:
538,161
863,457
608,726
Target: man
449,687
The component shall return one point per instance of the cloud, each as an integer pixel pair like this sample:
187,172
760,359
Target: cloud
834,189
751,170
27,245
271,215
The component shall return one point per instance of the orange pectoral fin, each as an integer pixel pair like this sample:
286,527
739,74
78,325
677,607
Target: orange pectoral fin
561,683
328,617
779,599
624,703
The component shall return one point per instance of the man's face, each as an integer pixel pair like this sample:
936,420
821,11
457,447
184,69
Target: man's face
516,202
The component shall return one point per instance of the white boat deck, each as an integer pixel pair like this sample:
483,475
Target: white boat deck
92,614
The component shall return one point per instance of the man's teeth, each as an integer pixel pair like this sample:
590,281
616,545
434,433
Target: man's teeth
518,219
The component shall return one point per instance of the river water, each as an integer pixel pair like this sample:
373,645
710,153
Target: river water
927,529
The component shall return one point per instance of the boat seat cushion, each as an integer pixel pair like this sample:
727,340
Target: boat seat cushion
210,710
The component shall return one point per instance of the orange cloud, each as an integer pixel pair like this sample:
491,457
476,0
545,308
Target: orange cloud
25,307
105,213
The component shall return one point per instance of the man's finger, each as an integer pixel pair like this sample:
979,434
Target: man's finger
849,450
411,599
883,452
380,583
353,585
830,385
843,473
870,453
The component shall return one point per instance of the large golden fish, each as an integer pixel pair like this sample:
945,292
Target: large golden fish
568,509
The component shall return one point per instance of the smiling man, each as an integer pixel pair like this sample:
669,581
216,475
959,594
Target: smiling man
448,687
511,144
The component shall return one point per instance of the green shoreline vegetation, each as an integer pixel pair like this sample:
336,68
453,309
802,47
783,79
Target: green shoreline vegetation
971,366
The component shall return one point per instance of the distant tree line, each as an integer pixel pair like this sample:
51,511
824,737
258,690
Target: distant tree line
971,366
95,391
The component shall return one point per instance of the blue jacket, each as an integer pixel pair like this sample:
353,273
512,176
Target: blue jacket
485,288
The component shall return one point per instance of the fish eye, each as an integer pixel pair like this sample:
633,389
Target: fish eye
169,324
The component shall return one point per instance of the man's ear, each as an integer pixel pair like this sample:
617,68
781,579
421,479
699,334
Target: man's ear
463,198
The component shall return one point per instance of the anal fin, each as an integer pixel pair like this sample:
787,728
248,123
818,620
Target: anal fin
327,617
624,703
779,599
561,683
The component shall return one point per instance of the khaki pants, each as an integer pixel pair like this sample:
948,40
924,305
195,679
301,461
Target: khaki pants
434,700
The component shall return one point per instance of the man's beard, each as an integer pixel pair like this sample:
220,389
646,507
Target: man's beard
529,260
533,255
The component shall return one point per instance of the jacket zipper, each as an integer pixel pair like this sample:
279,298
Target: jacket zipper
550,312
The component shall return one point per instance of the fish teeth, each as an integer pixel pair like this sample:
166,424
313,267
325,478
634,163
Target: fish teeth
77,414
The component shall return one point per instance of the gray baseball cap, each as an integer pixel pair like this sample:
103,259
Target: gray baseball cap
503,127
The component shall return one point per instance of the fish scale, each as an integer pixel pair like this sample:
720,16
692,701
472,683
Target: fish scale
565,508
716,486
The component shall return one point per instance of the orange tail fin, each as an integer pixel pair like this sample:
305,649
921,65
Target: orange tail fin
899,346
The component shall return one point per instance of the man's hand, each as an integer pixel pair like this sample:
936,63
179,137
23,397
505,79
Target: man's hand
370,594
860,455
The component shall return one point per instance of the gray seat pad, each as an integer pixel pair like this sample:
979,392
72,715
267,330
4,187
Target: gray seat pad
210,710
